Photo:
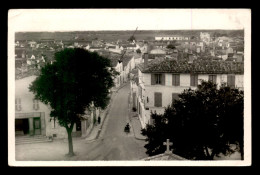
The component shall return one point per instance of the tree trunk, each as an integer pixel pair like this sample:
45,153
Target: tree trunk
69,131
209,156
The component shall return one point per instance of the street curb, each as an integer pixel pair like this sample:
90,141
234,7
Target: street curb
133,127
106,113
105,116
135,135
120,87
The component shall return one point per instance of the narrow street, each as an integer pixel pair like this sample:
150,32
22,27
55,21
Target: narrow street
114,143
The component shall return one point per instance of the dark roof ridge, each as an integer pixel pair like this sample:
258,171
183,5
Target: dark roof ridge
198,66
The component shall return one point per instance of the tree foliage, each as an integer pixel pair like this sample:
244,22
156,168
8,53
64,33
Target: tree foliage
138,51
171,46
202,123
75,80
131,39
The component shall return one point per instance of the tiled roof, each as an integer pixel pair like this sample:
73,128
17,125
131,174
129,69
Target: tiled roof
129,45
96,47
114,57
40,52
162,65
153,56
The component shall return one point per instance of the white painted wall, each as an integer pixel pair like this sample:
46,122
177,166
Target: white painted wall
168,89
146,78
239,81
185,80
168,79
203,77
22,92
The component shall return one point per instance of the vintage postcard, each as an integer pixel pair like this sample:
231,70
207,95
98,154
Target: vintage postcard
129,87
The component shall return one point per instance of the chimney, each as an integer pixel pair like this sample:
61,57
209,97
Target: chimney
145,59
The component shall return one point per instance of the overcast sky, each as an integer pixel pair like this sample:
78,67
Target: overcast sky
126,19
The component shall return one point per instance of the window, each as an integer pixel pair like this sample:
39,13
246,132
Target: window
213,78
193,80
78,126
35,104
18,106
231,81
53,123
158,99
176,80
139,108
175,96
157,79
140,92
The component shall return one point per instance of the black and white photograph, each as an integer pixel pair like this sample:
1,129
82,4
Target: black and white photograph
129,87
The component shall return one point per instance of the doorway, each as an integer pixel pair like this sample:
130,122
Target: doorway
37,125
21,126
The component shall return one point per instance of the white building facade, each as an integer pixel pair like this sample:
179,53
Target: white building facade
155,91
32,117
171,38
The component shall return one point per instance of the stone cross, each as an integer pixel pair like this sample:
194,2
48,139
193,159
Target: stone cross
168,144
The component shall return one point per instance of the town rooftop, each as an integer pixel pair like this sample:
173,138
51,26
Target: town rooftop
163,65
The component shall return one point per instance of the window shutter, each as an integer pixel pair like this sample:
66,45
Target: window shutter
37,104
163,79
231,81
173,79
157,99
177,80
196,80
152,79
228,80
210,77
215,79
175,96
192,80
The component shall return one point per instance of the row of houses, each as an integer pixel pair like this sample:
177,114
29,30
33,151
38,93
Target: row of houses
171,38
32,117
122,63
158,82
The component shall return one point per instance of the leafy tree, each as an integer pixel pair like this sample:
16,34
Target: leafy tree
171,46
202,123
75,80
138,51
47,59
231,114
131,39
